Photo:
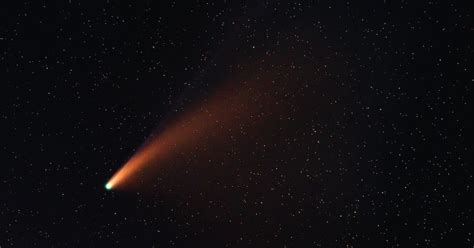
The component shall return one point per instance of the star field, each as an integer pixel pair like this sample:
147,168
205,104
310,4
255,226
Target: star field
285,124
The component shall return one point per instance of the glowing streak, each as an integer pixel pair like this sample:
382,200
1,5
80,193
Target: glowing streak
141,158
222,110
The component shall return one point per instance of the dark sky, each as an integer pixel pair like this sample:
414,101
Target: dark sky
359,134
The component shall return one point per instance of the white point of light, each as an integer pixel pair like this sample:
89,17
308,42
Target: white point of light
108,186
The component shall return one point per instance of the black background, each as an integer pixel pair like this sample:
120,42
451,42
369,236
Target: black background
375,149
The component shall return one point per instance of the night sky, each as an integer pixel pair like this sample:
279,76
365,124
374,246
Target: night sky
283,124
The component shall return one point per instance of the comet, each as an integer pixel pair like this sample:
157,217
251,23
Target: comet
211,116
213,120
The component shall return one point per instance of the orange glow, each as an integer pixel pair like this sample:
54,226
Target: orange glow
227,111
230,112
